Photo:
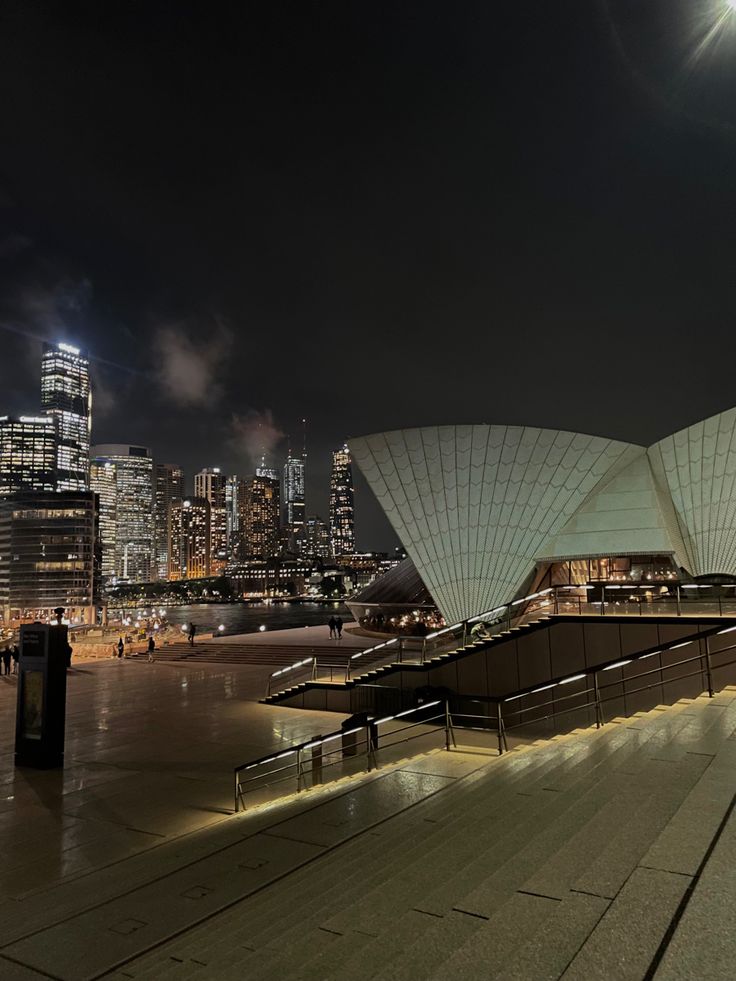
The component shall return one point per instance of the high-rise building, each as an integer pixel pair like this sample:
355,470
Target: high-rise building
317,543
210,484
169,488
66,395
28,449
104,484
263,470
134,538
260,517
189,555
293,491
232,496
342,503
48,555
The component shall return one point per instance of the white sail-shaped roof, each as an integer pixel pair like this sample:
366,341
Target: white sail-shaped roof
696,467
474,506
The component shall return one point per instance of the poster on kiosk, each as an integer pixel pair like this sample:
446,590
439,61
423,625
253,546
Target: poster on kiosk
41,709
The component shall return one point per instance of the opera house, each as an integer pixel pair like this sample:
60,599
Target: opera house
489,513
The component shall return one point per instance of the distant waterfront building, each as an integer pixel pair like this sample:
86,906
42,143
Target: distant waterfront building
210,484
28,449
270,577
342,503
260,517
190,539
67,397
232,496
134,524
48,555
103,481
317,544
169,488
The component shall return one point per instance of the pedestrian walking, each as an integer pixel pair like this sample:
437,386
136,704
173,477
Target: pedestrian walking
151,648
16,658
121,647
332,624
7,657
338,627
192,632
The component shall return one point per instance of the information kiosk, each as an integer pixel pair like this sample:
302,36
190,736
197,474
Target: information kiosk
40,716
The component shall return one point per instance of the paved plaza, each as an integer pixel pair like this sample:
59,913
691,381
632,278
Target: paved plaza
602,854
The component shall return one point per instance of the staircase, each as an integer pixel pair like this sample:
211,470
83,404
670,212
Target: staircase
569,859
363,674
215,652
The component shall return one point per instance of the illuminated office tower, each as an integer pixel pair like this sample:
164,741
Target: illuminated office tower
169,488
134,552
28,450
67,397
232,494
317,543
342,503
210,485
260,523
263,470
49,556
103,481
293,491
189,555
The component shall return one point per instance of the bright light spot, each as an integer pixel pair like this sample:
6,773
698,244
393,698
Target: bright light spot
731,4
221,627
262,627
183,628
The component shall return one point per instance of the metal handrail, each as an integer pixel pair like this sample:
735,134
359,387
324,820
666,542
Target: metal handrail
297,767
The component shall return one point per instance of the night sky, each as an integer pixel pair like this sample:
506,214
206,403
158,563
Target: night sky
374,215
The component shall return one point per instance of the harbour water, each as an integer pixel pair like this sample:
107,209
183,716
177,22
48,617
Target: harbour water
245,618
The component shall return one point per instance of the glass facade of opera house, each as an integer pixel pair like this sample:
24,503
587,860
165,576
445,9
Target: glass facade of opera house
491,513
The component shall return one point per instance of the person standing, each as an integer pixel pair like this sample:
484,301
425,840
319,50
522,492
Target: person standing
332,624
16,658
7,656
121,647
151,648
338,627
192,632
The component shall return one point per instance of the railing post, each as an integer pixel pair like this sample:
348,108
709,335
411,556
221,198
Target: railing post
720,608
314,669
708,669
237,793
298,770
598,707
401,649
556,606
677,590
603,601
449,733
501,731
347,671
369,744
424,648
465,632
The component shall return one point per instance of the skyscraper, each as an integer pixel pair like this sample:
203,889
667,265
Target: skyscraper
66,395
189,555
260,517
232,496
28,450
169,488
293,491
317,543
133,548
342,504
103,482
210,485
263,470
